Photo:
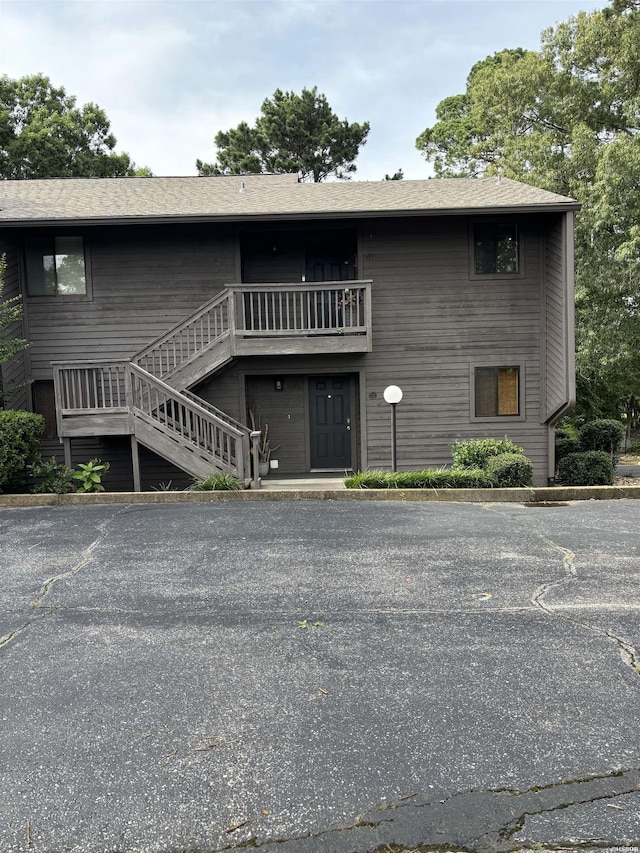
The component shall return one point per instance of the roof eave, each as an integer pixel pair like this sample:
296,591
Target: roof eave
558,207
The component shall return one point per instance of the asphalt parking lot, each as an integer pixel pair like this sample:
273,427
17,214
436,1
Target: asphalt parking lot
324,675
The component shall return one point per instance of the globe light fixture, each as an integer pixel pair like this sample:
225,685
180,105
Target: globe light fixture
393,395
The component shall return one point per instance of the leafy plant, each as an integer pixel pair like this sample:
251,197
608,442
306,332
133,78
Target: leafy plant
218,482
510,470
591,468
90,475
51,478
476,452
20,434
634,448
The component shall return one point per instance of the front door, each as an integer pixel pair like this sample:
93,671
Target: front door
330,422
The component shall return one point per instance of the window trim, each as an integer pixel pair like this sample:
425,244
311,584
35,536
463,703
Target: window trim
66,297
503,364
492,220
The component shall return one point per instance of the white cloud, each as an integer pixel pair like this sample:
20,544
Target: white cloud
171,73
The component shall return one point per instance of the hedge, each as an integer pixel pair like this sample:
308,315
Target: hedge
468,478
20,434
591,468
510,470
476,452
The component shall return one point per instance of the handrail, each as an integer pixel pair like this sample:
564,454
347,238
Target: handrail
215,411
114,386
188,338
191,424
304,308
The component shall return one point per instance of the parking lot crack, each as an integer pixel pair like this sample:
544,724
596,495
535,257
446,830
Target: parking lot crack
85,558
628,653
473,820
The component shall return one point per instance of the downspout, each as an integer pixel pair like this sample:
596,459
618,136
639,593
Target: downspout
570,362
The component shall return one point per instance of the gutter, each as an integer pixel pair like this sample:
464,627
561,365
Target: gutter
288,216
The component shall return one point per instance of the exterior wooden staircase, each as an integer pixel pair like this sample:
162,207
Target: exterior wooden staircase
147,396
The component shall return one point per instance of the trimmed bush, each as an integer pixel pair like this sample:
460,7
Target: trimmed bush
634,448
510,470
591,468
20,434
468,478
605,435
476,452
565,443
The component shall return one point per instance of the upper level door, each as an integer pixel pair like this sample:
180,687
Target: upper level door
330,422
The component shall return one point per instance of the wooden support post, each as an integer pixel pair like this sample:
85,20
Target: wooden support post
255,448
67,452
135,458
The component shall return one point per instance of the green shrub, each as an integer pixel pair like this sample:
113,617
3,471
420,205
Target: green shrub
634,448
605,435
589,468
510,470
476,452
216,483
468,478
90,474
565,443
20,434
51,478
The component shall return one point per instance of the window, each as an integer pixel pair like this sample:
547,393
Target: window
56,267
497,392
495,249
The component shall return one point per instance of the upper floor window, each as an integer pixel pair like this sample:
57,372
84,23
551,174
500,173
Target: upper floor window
497,392
56,267
495,249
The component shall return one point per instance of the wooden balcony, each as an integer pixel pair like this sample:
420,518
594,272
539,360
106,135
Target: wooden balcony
262,319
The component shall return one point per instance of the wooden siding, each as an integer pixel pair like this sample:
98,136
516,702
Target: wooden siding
431,324
14,370
555,360
144,281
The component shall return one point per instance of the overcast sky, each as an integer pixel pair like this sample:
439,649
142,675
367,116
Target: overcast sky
171,73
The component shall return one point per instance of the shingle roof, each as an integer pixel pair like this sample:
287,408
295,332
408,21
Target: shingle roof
258,196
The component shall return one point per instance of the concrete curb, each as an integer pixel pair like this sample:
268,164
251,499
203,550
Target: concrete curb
542,495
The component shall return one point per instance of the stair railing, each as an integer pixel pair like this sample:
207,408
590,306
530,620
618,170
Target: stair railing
208,325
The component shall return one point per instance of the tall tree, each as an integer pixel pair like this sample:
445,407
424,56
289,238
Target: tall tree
294,133
43,134
567,118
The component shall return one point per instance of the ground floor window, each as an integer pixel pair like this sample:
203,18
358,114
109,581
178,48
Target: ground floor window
497,392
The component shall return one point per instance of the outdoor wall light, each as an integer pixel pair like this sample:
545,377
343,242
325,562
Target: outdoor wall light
393,395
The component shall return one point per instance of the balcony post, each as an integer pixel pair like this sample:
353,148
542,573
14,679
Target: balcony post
255,451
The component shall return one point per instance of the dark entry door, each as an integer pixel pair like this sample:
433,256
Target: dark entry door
330,422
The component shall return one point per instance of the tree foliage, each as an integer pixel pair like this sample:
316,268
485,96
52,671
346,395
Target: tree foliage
43,134
567,118
294,133
10,312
